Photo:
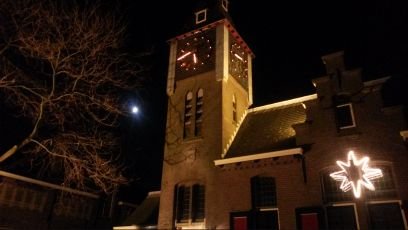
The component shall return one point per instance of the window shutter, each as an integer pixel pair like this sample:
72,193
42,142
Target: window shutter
198,205
199,112
183,204
180,198
188,113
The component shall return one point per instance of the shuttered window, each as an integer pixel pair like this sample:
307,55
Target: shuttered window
188,113
190,203
199,112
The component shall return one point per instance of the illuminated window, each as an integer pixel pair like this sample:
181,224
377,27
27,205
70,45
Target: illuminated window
190,203
201,16
345,116
188,113
199,112
263,190
234,108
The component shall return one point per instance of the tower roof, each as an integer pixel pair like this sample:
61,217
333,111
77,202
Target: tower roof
216,12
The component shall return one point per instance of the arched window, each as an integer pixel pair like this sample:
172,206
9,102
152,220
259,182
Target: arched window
190,203
188,113
234,108
199,112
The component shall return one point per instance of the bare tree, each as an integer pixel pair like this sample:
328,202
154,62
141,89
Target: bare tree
62,68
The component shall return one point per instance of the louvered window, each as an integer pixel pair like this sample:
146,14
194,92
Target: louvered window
190,203
188,113
199,112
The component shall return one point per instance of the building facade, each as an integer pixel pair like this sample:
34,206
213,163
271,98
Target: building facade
335,159
27,203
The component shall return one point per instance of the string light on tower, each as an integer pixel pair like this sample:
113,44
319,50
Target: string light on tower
355,174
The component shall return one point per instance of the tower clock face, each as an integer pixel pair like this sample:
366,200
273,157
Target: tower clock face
195,54
238,63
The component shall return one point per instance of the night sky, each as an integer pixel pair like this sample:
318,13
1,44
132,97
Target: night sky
288,38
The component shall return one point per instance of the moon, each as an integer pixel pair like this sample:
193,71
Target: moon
135,109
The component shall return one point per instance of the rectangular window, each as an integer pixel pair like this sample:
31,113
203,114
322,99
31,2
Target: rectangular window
345,116
190,203
341,217
263,190
268,219
183,204
385,216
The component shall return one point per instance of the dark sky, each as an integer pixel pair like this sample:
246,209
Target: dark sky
288,39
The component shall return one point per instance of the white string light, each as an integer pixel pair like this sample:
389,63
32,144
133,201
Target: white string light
356,173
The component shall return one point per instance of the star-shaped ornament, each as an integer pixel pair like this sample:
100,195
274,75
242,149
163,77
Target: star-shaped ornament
356,173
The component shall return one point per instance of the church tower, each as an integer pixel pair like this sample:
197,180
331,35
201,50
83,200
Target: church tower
209,88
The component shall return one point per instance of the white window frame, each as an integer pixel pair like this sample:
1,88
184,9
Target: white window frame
389,202
347,204
224,5
352,116
198,14
272,209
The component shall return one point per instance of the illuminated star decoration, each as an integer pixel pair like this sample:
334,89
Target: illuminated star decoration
356,173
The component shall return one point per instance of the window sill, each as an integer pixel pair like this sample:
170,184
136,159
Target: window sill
193,139
190,225
353,131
